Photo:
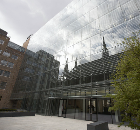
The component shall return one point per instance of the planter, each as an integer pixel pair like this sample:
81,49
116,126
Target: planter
16,114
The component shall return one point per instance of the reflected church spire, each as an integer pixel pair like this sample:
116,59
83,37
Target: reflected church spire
66,66
105,50
76,62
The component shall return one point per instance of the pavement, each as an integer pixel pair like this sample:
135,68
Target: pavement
39,122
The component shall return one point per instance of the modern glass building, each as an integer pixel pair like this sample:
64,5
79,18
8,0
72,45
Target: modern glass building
83,37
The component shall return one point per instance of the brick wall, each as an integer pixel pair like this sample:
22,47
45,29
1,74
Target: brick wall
5,92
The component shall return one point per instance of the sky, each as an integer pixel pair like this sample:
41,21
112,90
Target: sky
21,18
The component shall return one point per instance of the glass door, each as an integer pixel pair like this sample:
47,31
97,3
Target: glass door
60,108
94,110
88,110
91,110
64,108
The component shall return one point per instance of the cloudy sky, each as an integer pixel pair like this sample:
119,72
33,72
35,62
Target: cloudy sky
20,18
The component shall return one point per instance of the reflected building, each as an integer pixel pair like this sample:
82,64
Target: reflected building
83,37
36,74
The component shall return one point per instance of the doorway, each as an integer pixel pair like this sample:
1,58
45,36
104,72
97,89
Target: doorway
91,110
62,108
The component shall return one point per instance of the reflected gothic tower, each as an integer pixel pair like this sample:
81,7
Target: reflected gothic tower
66,66
105,52
76,63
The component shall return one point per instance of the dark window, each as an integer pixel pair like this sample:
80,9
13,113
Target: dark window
6,54
3,85
1,72
3,62
14,57
6,73
1,42
10,64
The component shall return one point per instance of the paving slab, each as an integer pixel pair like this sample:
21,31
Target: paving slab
39,122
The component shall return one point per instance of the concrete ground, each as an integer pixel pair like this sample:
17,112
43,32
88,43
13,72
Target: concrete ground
39,122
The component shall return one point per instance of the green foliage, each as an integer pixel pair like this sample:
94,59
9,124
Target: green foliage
126,81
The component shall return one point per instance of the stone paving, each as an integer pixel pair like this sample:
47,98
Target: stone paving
39,122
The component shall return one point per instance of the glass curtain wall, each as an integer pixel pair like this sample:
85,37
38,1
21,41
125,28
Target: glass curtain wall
83,38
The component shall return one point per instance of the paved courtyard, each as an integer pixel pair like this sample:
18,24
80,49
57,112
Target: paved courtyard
39,122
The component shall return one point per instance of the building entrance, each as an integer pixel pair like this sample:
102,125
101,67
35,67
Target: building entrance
92,109
62,108
97,110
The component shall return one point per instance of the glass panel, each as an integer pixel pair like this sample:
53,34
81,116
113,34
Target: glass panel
95,29
96,44
84,19
137,2
101,91
105,22
85,47
123,1
132,26
130,9
85,32
70,108
80,109
113,4
88,92
77,36
93,14
116,17
87,7
102,9
88,110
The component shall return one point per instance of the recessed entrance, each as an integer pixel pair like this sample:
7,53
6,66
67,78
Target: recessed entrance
92,109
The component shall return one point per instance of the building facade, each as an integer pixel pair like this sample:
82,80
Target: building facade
83,41
10,60
83,37
36,74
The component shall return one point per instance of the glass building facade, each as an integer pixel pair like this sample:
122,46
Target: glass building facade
83,37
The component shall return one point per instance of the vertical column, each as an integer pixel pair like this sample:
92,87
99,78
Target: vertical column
60,108
83,114
96,109
100,105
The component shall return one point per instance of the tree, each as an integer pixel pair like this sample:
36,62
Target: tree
126,81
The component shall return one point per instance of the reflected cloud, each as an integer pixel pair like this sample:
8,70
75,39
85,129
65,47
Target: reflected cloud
78,30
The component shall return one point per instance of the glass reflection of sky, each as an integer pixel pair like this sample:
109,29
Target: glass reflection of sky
78,30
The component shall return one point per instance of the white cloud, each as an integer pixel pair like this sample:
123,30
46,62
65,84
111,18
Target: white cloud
20,18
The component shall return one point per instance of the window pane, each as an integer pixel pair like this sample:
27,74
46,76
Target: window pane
10,64
3,62
1,72
1,42
3,85
6,73
6,54
14,57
